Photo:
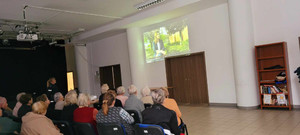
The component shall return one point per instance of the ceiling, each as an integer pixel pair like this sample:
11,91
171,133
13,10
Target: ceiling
65,23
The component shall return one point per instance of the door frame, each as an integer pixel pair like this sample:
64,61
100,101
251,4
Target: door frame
169,75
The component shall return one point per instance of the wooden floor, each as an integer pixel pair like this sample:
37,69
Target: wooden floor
204,120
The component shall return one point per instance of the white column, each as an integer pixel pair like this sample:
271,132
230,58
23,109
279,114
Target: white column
82,67
243,53
137,60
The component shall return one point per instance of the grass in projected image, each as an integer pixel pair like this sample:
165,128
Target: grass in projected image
166,41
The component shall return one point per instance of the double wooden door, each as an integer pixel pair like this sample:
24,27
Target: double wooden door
111,75
186,77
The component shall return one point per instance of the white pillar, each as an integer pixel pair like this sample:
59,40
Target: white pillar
137,58
82,67
243,53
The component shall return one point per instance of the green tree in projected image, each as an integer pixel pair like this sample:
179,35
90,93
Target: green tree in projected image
174,38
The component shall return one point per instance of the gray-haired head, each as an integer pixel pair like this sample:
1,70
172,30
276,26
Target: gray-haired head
132,90
104,88
19,95
57,96
120,90
146,91
158,96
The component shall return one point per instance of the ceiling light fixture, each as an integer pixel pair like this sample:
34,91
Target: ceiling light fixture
147,4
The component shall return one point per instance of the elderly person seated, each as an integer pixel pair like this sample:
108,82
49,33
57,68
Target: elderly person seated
111,114
70,106
160,115
121,96
146,99
133,103
6,111
36,123
50,109
18,104
84,113
59,101
26,101
172,105
104,89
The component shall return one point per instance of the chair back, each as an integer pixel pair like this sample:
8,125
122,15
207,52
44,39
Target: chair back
147,129
135,115
83,129
110,129
57,114
147,105
64,127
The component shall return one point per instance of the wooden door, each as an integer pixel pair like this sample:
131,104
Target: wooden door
186,75
111,75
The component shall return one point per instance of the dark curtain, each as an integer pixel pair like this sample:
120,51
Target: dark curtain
28,70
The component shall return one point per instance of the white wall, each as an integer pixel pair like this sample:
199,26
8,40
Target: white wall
276,21
109,51
208,31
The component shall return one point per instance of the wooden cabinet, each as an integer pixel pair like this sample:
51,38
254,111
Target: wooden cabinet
271,61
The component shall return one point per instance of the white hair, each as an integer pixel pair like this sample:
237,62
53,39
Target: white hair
132,89
120,90
57,96
19,95
146,91
158,96
104,88
71,97
83,100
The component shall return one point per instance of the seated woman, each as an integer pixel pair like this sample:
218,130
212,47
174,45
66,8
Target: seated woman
70,106
50,111
133,103
146,99
84,113
160,115
36,123
59,101
121,96
18,104
6,111
171,104
111,114
104,89
26,101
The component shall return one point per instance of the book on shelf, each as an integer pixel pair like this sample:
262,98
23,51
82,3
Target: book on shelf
278,100
271,89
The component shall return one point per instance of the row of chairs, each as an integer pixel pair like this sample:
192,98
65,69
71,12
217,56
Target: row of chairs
106,129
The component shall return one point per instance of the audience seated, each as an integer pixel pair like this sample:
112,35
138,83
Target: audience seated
18,104
70,106
26,101
146,99
121,96
171,104
36,123
160,115
84,113
59,101
50,110
133,103
104,89
111,114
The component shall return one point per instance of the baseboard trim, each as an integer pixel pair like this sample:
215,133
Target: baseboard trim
248,107
296,107
223,104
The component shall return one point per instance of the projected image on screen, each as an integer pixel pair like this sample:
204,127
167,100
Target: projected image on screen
166,41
